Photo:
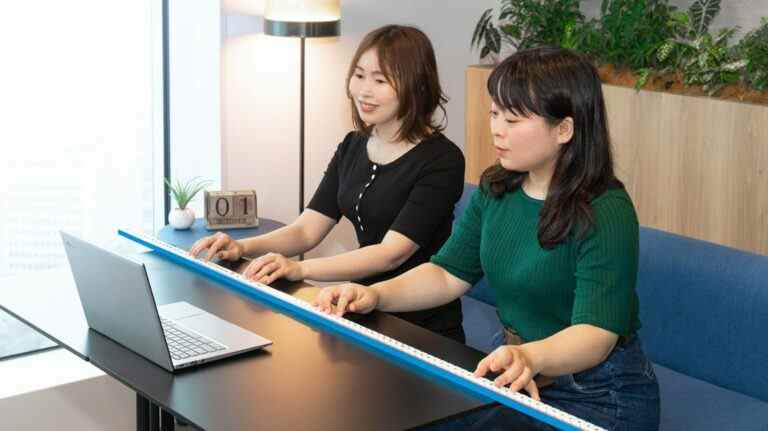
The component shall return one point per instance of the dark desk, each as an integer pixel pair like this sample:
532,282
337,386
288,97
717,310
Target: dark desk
308,379
185,238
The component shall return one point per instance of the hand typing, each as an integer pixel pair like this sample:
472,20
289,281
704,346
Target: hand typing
342,298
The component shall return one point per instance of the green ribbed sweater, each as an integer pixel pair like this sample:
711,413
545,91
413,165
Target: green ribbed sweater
540,292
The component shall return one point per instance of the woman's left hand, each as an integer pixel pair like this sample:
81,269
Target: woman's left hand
516,368
271,266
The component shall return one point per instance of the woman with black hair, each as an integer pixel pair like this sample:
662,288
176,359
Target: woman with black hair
556,234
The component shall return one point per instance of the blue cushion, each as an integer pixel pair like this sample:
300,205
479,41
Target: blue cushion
704,310
691,404
461,205
481,290
480,323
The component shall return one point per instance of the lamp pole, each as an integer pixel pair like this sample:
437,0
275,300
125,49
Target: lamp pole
302,19
301,129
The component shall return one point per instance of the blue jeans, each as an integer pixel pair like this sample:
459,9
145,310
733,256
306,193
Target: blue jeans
621,393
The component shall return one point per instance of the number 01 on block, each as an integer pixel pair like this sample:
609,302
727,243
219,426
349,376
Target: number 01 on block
230,210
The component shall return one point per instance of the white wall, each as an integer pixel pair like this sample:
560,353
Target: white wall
260,100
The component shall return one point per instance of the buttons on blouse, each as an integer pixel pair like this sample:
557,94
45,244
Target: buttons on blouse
360,196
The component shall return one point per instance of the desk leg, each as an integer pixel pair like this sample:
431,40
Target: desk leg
154,417
142,413
166,421
150,417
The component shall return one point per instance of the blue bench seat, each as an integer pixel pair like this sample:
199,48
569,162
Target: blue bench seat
704,311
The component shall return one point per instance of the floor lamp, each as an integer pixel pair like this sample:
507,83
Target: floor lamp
302,19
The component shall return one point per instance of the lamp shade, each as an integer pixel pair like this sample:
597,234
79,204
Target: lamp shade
302,18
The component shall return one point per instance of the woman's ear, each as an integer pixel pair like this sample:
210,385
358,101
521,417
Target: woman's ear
565,130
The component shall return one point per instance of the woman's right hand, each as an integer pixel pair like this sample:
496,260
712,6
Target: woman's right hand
219,245
351,297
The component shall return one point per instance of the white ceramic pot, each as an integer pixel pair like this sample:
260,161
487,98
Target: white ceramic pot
181,219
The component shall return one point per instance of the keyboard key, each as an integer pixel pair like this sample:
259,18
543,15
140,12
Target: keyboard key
188,344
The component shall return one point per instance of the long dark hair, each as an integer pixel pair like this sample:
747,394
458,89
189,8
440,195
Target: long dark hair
555,83
407,60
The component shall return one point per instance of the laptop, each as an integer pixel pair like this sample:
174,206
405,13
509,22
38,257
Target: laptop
118,302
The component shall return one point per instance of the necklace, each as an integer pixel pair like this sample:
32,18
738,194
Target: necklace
382,152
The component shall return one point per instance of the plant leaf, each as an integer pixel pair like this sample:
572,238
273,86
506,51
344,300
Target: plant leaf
735,65
484,52
506,10
642,78
184,192
512,31
702,13
724,35
481,26
493,40
664,50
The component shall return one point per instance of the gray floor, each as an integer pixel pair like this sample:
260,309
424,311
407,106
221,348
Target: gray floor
17,338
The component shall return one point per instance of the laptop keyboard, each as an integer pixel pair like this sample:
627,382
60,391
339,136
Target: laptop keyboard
185,344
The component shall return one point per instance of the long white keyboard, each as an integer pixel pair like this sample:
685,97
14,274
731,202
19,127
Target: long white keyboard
443,370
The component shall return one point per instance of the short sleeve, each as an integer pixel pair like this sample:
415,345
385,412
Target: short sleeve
431,201
325,200
460,255
606,268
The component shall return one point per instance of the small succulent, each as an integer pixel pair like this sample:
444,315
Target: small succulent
184,192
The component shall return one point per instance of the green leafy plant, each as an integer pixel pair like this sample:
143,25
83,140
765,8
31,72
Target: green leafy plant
645,37
754,48
524,24
687,27
184,192
713,66
704,59
632,31
702,13
486,36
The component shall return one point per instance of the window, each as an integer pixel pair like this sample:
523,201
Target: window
82,135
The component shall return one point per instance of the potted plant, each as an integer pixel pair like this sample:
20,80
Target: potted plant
181,217
642,43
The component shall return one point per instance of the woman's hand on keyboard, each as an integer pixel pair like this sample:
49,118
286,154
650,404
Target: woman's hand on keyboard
271,266
515,366
219,245
346,297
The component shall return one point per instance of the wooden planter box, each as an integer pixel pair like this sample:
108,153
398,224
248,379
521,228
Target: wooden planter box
695,166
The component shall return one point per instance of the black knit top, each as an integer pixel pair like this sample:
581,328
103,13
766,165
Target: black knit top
413,195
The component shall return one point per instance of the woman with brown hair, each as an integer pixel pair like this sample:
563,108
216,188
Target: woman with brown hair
396,177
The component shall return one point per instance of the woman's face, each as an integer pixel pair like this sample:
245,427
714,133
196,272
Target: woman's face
525,144
375,98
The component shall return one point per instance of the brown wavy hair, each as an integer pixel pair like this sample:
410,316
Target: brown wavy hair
555,83
407,60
